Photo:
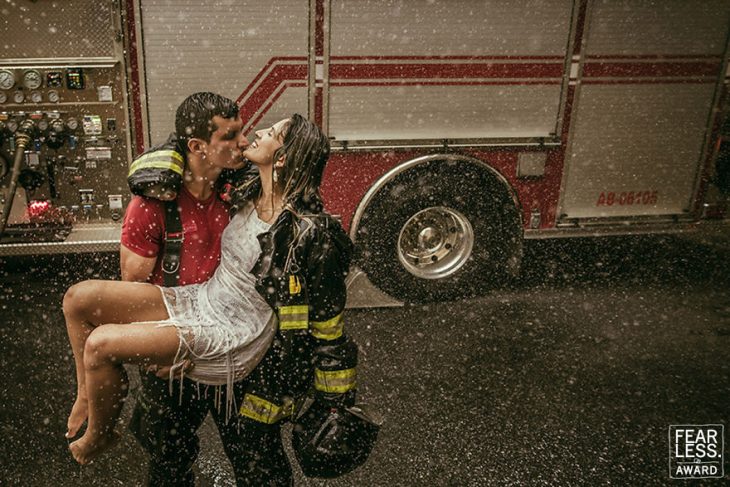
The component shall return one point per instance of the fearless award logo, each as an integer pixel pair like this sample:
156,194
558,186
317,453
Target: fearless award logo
696,451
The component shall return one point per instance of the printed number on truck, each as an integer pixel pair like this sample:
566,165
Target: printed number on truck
625,198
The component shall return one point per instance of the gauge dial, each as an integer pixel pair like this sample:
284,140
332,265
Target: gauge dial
57,126
42,125
32,79
36,97
3,97
7,79
18,97
53,96
72,124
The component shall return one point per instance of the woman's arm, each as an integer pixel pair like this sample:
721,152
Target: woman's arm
335,352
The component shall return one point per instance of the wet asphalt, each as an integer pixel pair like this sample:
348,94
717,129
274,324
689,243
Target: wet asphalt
569,376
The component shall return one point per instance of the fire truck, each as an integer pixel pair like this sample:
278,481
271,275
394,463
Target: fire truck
459,128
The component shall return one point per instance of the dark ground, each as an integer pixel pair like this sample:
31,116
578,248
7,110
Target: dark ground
572,376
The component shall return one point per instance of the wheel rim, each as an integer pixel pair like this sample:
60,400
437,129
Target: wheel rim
435,242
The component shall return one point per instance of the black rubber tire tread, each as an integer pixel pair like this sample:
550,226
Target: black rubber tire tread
465,186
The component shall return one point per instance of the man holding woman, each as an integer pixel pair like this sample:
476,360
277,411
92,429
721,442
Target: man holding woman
281,256
167,415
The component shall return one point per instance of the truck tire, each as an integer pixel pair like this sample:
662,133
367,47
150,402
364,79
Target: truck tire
444,229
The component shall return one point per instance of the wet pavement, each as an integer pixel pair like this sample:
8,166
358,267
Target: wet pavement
571,376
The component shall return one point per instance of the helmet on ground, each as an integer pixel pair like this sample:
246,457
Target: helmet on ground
329,442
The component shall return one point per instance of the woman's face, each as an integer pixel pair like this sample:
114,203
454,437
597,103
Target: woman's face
267,141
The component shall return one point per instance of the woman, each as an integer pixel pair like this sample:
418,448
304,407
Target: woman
225,325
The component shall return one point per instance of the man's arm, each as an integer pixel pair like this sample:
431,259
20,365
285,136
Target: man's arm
142,234
135,267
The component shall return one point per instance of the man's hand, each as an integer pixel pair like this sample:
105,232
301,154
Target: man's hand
163,371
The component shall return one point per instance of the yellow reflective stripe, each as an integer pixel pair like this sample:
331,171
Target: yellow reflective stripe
293,324
294,317
155,165
295,287
263,411
338,381
328,330
294,310
166,159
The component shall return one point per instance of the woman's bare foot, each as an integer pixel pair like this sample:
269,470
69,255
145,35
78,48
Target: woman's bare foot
79,414
85,449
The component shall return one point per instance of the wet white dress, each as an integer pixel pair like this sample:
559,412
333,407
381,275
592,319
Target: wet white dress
224,324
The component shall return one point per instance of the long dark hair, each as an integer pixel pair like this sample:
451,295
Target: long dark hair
306,150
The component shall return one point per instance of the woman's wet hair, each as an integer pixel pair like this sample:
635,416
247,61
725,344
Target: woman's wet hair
306,150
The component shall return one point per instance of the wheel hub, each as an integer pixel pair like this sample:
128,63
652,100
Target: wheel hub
435,242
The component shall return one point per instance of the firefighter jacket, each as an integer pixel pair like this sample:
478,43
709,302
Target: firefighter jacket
301,273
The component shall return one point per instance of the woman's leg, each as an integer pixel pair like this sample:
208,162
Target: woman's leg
106,349
91,303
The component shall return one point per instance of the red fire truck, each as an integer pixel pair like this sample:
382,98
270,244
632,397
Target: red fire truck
459,128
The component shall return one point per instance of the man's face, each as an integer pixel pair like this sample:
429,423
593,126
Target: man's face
225,149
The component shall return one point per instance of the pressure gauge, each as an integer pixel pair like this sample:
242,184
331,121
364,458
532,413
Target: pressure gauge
36,97
42,125
18,97
57,126
53,96
7,79
3,97
72,123
32,79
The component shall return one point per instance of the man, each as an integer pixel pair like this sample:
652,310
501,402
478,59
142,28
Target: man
165,422
210,139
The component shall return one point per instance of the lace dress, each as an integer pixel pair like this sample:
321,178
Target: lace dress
225,326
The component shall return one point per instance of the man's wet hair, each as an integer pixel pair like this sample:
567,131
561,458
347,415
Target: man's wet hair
194,116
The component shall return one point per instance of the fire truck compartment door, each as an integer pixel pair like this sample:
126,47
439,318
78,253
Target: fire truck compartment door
446,70
644,107
636,149
254,53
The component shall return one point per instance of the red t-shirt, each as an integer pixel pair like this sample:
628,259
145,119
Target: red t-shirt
203,223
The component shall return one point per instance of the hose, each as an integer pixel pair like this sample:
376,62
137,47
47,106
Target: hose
4,163
22,139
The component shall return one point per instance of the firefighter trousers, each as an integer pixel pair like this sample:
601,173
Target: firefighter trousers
166,426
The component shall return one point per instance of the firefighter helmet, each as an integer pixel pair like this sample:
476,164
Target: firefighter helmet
329,442
156,173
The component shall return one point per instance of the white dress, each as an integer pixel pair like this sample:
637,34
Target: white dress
224,324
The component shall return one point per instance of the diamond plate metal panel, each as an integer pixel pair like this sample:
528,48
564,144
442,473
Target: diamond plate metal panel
83,239
60,29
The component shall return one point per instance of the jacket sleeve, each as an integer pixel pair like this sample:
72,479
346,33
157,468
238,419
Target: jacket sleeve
162,165
335,353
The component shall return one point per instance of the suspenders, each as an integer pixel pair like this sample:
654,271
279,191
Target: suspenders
173,243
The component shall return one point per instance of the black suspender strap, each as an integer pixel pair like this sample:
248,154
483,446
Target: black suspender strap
173,244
